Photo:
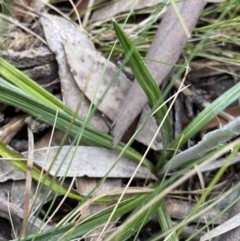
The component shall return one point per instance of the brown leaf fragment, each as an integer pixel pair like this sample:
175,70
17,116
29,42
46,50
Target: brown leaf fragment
218,122
84,186
203,68
179,209
55,137
166,47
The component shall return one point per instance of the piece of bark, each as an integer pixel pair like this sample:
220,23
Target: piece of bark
145,136
43,74
29,58
166,47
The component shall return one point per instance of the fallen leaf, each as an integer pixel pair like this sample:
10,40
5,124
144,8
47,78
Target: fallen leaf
87,67
56,29
87,161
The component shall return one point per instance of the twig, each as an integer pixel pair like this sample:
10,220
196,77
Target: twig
28,181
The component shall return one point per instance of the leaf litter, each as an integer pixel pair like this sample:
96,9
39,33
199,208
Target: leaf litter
79,60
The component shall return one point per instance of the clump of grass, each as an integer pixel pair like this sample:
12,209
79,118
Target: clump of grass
18,90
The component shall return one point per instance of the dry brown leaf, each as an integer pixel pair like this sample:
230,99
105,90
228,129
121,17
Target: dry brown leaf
8,131
179,209
203,68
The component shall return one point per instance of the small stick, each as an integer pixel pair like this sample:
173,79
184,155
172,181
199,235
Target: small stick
166,47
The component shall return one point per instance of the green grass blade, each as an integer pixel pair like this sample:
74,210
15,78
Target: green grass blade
46,112
145,80
72,230
154,95
15,76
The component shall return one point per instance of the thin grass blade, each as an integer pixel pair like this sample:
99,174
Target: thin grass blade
146,81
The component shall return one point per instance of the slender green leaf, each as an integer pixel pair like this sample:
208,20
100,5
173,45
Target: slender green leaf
74,230
151,89
15,76
146,81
